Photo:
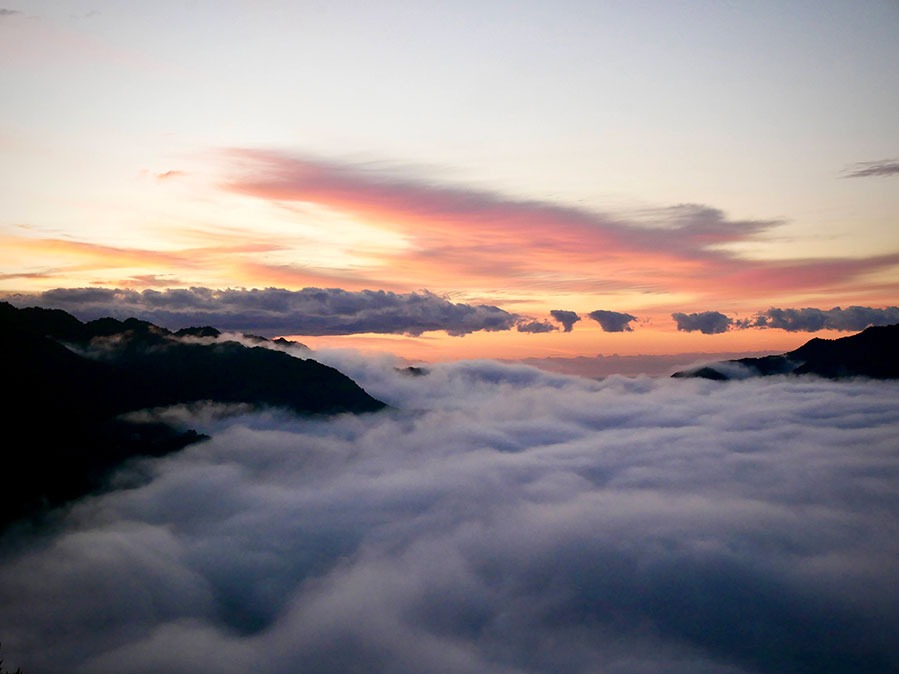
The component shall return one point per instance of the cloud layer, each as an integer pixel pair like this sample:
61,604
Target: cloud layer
310,311
500,519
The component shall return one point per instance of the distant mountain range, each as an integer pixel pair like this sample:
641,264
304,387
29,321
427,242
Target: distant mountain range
872,353
68,385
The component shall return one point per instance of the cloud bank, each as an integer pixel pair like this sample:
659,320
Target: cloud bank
613,321
499,519
269,311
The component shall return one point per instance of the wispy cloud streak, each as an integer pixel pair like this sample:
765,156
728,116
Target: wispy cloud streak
868,169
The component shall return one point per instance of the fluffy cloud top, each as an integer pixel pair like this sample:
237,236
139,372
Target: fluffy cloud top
498,519
310,311
613,321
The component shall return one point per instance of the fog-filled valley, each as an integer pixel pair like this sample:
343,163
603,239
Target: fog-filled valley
494,518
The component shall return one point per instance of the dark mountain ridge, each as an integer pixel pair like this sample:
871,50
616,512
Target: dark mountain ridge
872,353
68,384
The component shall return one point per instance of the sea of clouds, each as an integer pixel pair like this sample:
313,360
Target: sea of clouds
497,519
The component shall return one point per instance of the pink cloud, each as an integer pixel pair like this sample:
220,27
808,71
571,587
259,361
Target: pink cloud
475,216
471,235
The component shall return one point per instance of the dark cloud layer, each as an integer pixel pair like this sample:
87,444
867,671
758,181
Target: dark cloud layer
811,320
270,311
706,322
566,318
498,519
868,169
613,321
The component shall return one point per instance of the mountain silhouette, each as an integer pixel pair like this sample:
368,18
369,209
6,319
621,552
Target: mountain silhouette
872,353
68,385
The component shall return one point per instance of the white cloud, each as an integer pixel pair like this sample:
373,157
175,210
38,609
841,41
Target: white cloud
503,519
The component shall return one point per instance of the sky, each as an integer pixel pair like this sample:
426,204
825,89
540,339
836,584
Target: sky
457,180
498,518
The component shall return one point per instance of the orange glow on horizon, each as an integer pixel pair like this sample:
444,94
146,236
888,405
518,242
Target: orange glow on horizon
586,341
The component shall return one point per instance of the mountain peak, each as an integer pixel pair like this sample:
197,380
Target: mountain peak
872,353
86,376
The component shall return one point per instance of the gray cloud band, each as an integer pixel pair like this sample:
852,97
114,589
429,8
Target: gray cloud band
333,311
870,169
310,311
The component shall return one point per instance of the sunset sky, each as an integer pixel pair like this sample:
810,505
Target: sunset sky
698,176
